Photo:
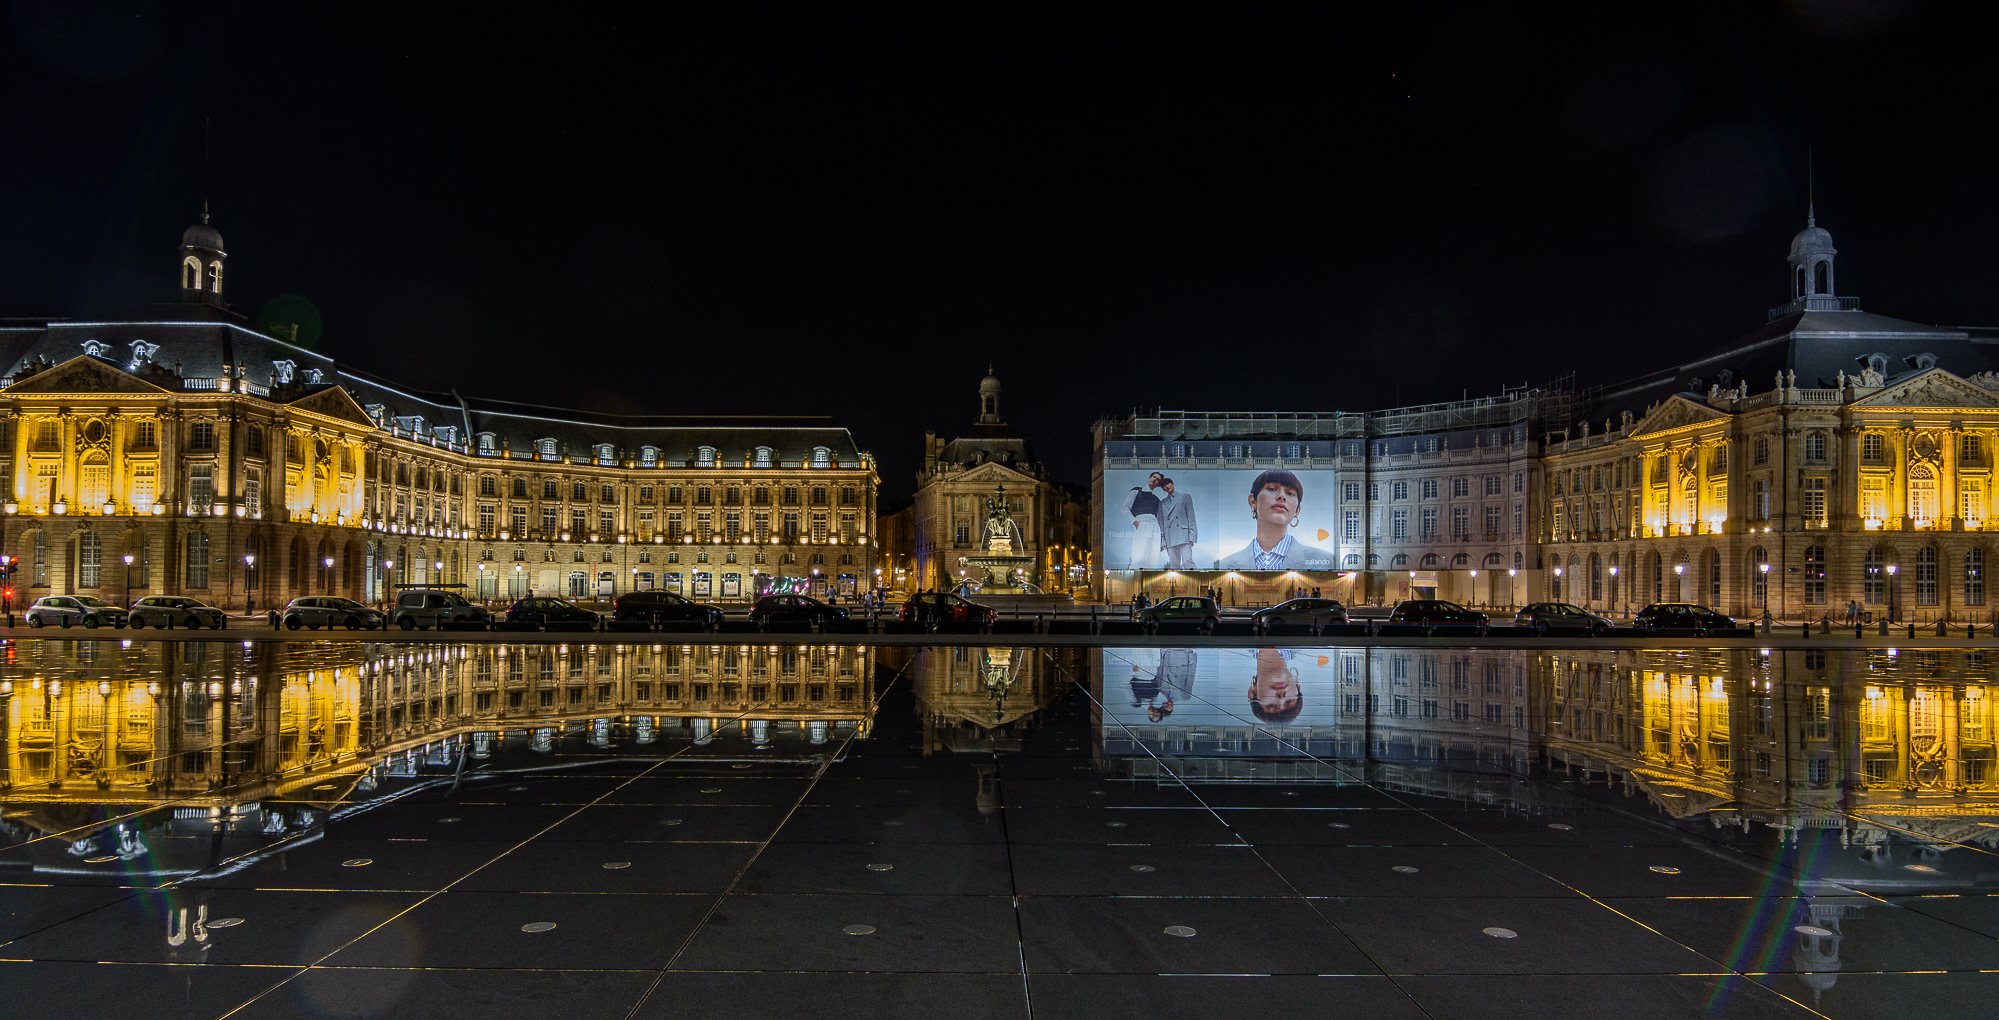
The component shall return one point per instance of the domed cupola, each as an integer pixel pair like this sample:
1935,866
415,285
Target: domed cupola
201,259
989,394
1811,260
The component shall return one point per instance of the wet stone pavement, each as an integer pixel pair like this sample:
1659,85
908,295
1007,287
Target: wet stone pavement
999,832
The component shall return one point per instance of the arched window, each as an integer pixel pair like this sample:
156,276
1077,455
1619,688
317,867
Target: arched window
606,454
94,480
215,277
1516,559
1595,578
648,456
1874,577
1400,560
1658,578
1922,494
1714,578
196,573
1235,451
1800,292
487,444
1814,575
763,456
704,457
89,560
1824,281
1926,576
822,456
1431,560
1461,560
1759,577
1353,560
1974,577
545,448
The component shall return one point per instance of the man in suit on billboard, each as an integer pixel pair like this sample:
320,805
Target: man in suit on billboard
1177,531
1142,506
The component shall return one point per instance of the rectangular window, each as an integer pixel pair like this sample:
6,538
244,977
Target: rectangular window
1352,528
1398,490
607,522
201,488
1814,446
1814,502
1874,498
1429,530
145,488
1460,488
1971,502
1871,447
1429,488
1519,520
1461,523
1971,449
1762,509
1762,454
579,523
1493,523
143,435
253,489
201,435
1350,491
1519,482
1400,526
520,519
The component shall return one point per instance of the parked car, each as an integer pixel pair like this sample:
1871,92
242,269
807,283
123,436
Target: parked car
543,609
1180,609
316,611
1433,612
1679,617
430,608
83,609
944,607
175,611
1317,611
793,608
1549,617
660,607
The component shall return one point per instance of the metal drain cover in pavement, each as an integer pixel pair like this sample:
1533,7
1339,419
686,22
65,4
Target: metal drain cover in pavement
616,865
1917,867
881,867
1404,868
1180,931
535,926
1664,870
1502,933
450,820
1143,868
358,862
1560,827
858,929
100,859
1814,930
225,922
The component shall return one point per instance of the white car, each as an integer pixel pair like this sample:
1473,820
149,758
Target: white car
176,611
64,610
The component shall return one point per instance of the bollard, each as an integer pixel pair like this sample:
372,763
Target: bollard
1825,625
1884,626
1970,631
1943,629
1912,628
1856,630
1808,628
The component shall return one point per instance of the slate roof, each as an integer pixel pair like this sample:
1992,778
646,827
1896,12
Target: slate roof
203,342
1817,345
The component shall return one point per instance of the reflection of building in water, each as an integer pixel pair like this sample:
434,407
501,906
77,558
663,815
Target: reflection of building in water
143,720
983,699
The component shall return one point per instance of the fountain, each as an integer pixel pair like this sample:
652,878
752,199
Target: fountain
1007,579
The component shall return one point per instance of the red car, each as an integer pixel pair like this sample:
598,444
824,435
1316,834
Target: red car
946,608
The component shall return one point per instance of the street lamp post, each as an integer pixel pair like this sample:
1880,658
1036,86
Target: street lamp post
249,582
128,580
1891,593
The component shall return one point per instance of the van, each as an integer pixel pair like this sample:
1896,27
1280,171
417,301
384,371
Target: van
426,608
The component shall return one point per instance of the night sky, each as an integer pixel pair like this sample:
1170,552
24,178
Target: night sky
819,214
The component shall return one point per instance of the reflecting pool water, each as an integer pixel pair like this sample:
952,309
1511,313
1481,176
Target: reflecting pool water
355,829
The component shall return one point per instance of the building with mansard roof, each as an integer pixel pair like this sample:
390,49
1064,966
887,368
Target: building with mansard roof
239,467
1833,455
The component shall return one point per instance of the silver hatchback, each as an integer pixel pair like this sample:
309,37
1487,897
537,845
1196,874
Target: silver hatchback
316,611
65,610
175,611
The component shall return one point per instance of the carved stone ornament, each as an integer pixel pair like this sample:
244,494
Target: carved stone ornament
1926,446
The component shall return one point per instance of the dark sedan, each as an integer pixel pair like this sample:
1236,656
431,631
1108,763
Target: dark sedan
794,608
944,607
1435,612
662,607
542,609
1319,611
1684,618
1547,617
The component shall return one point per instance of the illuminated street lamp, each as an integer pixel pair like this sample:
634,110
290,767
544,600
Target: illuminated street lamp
128,579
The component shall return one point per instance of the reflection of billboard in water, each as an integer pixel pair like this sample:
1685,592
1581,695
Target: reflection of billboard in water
1348,702
1242,520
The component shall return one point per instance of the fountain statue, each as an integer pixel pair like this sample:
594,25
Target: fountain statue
1006,572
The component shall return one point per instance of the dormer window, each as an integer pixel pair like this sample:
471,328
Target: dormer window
447,433
1294,451
545,449
379,412
704,456
822,457
488,444
1235,451
763,456
648,456
606,454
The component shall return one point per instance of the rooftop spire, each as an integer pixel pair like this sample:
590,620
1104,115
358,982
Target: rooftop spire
204,211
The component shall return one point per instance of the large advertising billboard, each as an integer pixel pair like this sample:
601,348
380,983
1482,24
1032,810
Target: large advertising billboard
1209,688
1243,520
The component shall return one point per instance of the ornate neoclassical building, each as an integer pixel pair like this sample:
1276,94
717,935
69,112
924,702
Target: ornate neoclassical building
178,450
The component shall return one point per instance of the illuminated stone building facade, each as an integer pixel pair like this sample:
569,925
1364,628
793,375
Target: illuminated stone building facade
945,521
1832,456
230,464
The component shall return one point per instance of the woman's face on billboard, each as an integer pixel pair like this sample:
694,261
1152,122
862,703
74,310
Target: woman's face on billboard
1275,503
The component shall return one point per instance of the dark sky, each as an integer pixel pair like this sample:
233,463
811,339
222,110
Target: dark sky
1313,208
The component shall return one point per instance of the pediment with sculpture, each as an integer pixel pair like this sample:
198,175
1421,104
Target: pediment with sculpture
1678,413
1934,388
